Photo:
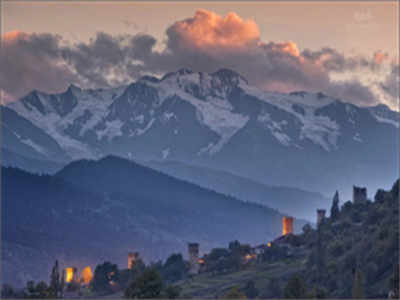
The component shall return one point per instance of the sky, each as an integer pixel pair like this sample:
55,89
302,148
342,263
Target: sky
346,50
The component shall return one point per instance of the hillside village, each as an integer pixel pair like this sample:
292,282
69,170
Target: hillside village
351,253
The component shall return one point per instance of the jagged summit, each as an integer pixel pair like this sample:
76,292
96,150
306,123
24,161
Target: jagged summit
73,86
149,78
180,72
229,75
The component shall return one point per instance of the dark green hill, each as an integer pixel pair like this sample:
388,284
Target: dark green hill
362,239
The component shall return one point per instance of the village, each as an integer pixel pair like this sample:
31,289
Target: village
314,263
288,245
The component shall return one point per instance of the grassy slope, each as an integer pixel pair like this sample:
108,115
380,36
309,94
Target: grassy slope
207,285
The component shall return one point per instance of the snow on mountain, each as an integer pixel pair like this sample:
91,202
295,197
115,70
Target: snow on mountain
58,115
37,147
383,114
207,93
217,120
86,106
320,130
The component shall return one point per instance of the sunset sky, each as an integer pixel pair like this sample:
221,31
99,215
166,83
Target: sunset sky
347,50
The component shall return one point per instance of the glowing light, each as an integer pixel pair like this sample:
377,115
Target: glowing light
250,256
269,244
69,272
87,275
287,223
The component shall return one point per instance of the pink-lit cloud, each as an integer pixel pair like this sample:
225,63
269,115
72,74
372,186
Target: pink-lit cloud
380,57
207,29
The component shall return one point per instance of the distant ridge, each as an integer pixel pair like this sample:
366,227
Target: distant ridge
96,210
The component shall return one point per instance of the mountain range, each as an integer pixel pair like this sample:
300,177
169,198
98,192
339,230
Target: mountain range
95,211
218,121
288,200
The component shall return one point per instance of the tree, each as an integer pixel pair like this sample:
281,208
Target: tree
317,293
138,268
250,290
394,281
295,288
171,292
128,275
62,284
42,290
273,288
147,285
320,254
105,275
307,229
7,291
358,289
335,207
174,268
236,255
56,285
218,259
233,293
38,291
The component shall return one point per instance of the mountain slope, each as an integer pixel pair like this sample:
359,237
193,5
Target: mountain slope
93,211
21,136
292,201
218,120
11,159
363,237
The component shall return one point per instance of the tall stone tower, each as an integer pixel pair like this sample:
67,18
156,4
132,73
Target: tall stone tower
71,274
320,215
359,194
132,257
193,249
287,225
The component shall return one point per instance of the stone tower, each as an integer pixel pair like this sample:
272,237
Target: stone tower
132,257
320,215
287,225
71,274
193,249
359,194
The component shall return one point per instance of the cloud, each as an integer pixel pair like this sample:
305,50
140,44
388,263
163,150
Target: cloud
208,30
100,62
332,60
31,61
204,42
352,91
380,57
390,86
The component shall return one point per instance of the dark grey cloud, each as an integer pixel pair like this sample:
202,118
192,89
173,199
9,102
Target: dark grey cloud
352,91
332,60
30,62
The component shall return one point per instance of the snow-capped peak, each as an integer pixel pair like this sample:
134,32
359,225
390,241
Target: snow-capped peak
83,121
229,76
